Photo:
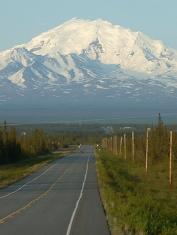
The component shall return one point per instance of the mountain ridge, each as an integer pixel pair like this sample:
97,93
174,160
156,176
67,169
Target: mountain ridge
83,61
62,38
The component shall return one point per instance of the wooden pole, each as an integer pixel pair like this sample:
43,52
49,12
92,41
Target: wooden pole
106,140
109,148
125,147
111,144
105,143
120,147
115,144
102,143
170,158
147,148
133,146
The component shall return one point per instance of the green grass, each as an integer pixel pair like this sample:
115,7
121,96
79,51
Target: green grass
13,172
136,202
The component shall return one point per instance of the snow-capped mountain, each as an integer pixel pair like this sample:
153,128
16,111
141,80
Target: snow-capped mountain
86,61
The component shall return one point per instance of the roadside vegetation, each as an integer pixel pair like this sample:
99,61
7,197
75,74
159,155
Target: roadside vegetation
14,148
22,153
136,200
10,173
25,144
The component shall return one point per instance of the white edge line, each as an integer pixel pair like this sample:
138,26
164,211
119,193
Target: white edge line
18,189
77,203
4,219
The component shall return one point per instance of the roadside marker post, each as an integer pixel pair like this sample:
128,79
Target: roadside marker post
115,144
170,158
147,148
125,147
120,147
133,146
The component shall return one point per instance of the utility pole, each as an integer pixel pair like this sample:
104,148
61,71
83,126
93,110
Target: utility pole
170,158
147,148
133,146
125,147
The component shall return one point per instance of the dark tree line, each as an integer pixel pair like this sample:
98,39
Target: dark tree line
15,147
10,148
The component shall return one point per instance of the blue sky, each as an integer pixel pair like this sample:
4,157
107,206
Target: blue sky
20,20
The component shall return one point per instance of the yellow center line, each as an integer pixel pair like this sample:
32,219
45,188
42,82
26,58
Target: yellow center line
32,202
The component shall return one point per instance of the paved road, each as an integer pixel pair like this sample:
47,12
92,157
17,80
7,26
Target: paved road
61,199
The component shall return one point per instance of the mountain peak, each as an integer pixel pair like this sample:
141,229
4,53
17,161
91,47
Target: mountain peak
80,20
85,59
76,36
99,40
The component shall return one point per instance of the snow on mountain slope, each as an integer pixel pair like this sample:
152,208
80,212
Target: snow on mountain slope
109,43
83,58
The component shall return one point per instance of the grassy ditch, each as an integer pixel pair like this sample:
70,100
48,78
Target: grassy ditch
11,173
136,202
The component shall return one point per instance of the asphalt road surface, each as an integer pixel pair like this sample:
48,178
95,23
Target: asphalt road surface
60,199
